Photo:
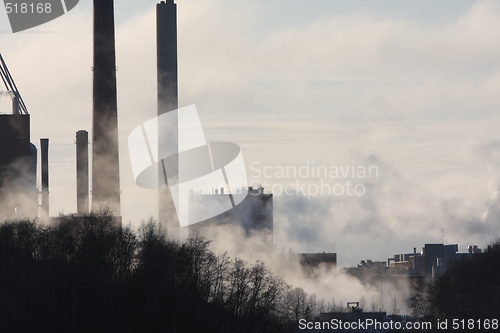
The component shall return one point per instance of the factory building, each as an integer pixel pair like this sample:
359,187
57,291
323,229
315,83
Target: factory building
431,262
18,156
311,261
18,160
254,214
19,196
18,190
316,259
353,314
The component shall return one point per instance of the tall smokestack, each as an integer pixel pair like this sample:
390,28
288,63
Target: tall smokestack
82,172
166,44
44,144
15,105
105,167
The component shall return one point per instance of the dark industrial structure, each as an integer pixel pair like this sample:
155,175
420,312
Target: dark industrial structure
422,267
166,38
18,193
312,261
166,44
105,158
432,261
18,157
44,144
353,314
82,172
309,262
254,214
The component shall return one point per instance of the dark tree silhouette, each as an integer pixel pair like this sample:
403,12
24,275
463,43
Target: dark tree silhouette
469,290
86,274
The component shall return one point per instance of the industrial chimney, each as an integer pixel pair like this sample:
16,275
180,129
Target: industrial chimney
44,144
82,172
15,105
166,43
105,159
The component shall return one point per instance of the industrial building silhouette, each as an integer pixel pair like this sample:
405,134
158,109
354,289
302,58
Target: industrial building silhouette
19,196
254,213
18,157
426,265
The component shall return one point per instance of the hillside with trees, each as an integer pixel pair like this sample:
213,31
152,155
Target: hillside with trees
86,275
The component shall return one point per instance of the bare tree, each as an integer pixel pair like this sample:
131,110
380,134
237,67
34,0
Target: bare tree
362,302
374,304
296,302
395,309
420,305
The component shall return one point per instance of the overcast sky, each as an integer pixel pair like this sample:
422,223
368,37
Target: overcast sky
412,87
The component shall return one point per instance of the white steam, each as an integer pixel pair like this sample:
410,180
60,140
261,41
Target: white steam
330,287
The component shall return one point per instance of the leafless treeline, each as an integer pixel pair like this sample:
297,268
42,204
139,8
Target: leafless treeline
84,274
